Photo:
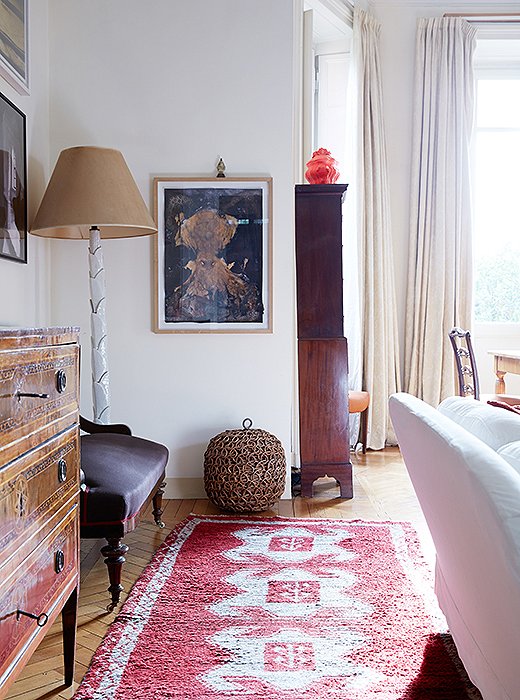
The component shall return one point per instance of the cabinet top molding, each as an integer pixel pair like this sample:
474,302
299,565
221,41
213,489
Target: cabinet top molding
321,189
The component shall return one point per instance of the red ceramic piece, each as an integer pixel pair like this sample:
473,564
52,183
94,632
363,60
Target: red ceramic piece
322,168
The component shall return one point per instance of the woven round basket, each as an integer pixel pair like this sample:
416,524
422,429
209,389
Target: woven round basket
244,470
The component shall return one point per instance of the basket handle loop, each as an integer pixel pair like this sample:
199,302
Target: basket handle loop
247,423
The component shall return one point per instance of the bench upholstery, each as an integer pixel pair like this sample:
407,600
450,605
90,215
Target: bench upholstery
121,475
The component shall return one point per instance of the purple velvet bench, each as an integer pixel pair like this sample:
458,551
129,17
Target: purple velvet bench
121,475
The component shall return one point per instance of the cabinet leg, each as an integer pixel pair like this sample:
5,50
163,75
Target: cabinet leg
342,473
346,489
69,616
114,552
307,480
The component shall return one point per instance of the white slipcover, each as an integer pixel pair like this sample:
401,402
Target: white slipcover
470,497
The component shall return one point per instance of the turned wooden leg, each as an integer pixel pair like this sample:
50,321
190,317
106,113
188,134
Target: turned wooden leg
500,385
157,505
69,616
114,552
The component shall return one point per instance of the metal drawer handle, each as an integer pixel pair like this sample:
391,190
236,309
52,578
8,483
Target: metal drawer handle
30,395
59,561
62,471
61,381
41,620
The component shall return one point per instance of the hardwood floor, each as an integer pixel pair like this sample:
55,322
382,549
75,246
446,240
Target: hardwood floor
382,491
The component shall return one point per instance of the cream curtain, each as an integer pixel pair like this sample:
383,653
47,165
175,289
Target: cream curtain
440,272
381,372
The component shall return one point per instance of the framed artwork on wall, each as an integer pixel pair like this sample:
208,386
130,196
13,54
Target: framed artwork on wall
13,182
213,255
14,64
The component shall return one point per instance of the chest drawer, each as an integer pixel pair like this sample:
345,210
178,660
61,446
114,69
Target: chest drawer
38,396
40,585
33,489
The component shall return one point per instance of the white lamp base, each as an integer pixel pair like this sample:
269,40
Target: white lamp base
98,330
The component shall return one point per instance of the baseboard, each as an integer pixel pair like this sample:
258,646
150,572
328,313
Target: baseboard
189,487
194,488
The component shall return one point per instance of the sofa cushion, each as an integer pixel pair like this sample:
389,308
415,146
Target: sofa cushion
511,453
120,474
492,425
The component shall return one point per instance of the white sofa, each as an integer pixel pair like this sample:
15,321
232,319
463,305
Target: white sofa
464,462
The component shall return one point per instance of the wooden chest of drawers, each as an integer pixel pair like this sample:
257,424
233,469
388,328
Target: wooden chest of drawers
39,487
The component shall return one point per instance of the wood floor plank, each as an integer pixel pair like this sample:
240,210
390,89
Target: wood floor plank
382,491
285,508
185,508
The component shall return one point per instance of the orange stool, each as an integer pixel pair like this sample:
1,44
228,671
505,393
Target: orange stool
358,402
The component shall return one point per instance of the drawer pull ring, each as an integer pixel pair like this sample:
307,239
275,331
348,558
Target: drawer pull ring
59,561
61,381
41,620
62,471
30,395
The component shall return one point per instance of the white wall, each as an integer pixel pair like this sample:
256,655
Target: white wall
398,20
24,289
174,85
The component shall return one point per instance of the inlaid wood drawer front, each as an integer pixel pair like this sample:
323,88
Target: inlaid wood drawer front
39,493
38,396
38,588
33,489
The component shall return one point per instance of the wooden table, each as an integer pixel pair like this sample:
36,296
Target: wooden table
505,361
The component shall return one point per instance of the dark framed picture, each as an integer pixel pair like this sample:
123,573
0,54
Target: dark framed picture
213,255
13,182
14,65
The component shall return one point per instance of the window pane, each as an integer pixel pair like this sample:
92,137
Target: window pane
497,226
498,103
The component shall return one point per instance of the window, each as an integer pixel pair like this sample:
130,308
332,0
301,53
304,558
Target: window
330,120
497,197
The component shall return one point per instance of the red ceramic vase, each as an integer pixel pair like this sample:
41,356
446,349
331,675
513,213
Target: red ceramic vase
322,168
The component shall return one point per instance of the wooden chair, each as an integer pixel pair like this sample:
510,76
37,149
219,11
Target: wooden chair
358,402
121,474
467,373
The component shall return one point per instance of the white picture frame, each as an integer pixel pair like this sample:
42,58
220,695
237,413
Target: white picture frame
213,255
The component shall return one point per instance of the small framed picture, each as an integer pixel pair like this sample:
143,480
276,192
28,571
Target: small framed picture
13,182
14,64
213,255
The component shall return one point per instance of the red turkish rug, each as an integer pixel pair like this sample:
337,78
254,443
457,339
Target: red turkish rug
269,608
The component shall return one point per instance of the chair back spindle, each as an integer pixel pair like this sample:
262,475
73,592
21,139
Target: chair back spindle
465,362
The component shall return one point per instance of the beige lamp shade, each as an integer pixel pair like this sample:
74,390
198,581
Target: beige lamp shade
92,186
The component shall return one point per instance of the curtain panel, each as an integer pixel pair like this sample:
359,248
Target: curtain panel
440,272
381,372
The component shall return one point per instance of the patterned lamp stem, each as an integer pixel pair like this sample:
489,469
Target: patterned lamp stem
98,329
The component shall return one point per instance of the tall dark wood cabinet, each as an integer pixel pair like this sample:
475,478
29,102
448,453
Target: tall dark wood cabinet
322,347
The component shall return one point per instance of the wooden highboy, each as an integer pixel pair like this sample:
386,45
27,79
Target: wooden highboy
39,487
322,347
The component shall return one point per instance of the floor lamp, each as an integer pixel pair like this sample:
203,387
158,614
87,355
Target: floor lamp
92,195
